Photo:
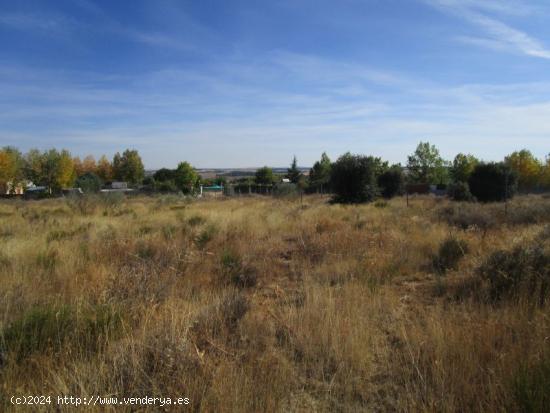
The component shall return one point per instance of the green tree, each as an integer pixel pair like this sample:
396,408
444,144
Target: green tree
319,174
528,169
425,165
128,167
186,178
493,182
391,182
293,173
89,182
353,178
33,162
165,174
264,176
56,169
462,167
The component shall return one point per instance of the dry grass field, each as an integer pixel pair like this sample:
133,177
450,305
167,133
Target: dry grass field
266,305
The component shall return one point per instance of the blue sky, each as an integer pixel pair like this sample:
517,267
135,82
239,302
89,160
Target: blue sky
251,83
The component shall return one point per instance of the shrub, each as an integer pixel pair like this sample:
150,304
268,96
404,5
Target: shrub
196,220
460,191
219,320
205,236
84,205
528,213
353,178
524,269
234,271
89,183
391,182
490,182
166,186
285,190
449,254
468,216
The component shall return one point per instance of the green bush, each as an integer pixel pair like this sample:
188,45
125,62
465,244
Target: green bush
166,187
285,190
449,254
492,182
391,182
460,191
524,269
353,178
89,183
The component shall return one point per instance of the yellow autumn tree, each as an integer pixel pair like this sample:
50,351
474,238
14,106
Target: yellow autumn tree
78,166
8,170
65,172
89,165
104,169
528,168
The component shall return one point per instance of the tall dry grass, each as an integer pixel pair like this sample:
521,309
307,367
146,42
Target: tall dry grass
264,305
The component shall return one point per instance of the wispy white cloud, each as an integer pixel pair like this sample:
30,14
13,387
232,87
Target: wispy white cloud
501,36
245,113
64,26
52,23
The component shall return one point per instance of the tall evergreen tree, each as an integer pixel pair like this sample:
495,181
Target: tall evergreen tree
293,173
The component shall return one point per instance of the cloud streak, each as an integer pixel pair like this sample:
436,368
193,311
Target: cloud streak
247,112
501,36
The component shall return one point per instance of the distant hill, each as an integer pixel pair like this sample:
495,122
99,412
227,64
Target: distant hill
234,173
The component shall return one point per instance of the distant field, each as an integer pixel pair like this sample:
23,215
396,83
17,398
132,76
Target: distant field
264,305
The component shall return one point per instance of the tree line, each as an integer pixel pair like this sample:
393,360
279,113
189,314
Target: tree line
361,178
351,178
59,169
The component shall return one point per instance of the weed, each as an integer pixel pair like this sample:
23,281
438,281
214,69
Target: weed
205,236
196,220
168,231
449,254
233,270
